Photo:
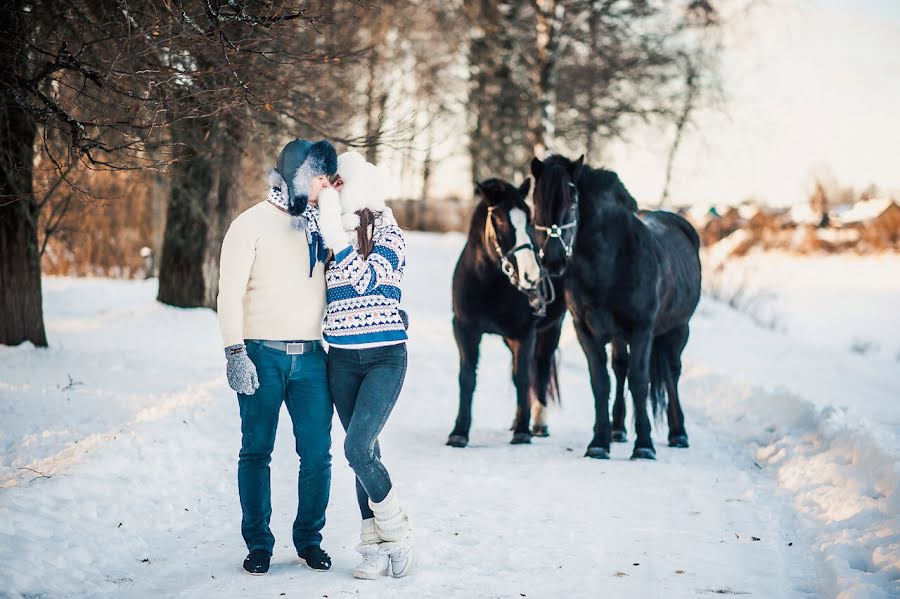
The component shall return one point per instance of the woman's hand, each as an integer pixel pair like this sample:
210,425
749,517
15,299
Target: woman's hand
330,220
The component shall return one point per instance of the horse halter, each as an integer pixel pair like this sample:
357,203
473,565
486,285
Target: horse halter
543,288
555,231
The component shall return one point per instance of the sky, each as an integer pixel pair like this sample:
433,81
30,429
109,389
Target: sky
811,89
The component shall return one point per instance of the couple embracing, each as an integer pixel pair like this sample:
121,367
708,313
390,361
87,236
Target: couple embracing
321,252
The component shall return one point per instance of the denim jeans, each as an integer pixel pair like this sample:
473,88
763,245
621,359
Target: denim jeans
300,381
365,384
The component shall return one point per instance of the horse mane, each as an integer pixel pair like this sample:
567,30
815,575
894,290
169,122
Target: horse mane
594,183
607,183
550,182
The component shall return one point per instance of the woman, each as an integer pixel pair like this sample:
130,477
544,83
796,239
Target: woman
367,350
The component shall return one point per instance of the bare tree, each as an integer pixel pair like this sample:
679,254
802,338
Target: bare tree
500,86
143,85
582,71
63,72
691,91
549,16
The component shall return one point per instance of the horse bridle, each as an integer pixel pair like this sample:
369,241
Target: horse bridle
555,231
541,293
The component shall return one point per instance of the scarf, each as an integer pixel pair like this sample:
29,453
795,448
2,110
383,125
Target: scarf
308,222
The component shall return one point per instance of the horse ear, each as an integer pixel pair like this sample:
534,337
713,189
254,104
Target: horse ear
490,197
537,167
525,187
576,166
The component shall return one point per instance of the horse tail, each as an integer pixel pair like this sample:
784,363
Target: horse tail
551,390
660,376
553,382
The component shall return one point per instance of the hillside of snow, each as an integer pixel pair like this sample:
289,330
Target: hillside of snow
118,456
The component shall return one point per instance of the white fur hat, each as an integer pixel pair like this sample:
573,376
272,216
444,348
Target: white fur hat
364,185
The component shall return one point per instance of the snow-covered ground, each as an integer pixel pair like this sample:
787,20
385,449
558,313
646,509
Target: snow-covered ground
118,457
835,302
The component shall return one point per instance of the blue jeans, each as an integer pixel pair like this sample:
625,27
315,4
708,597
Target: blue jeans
365,385
300,381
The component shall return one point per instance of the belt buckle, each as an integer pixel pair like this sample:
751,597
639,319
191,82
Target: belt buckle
293,349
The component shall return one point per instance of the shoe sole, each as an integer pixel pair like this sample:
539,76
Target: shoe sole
256,573
367,576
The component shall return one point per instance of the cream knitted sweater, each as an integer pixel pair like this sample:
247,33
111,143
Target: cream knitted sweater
265,291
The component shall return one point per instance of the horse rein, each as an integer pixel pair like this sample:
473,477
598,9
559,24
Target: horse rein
555,231
543,288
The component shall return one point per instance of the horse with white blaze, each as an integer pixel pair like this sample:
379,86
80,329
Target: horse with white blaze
499,288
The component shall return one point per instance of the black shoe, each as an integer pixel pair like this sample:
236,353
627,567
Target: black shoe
315,557
257,563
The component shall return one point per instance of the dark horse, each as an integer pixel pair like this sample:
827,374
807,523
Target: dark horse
635,279
499,288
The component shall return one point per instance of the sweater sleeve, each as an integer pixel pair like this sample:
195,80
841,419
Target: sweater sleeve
388,256
238,254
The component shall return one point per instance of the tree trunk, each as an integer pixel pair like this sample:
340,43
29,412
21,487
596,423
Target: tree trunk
376,97
202,200
21,310
497,142
548,22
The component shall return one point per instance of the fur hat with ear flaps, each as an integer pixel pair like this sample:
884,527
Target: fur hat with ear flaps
364,185
299,162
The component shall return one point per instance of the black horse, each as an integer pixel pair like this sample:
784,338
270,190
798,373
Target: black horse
588,184
635,279
499,288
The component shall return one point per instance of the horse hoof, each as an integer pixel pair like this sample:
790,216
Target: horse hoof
678,441
597,453
457,441
643,453
619,436
540,430
521,438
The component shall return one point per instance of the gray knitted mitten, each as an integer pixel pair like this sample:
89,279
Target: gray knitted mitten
240,370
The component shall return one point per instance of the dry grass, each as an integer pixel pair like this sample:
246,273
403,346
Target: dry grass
734,288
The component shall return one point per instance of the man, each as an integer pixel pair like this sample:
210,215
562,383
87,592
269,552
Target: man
271,302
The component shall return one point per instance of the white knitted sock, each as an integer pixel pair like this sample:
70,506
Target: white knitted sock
368,534
391,522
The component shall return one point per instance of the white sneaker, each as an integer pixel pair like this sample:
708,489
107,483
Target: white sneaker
374,563
401,556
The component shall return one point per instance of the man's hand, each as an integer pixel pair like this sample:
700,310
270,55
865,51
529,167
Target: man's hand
330,220
240,370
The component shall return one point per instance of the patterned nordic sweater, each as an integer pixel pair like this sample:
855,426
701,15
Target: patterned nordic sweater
364,294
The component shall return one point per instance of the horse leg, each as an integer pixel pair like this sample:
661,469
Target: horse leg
468,341
620,368
539,427
523,355
638,383
544,375
676,340
595,352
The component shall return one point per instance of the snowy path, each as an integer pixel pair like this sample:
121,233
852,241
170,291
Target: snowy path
142,497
